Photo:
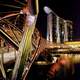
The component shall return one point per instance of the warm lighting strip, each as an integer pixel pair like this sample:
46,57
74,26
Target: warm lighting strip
73,44
37,6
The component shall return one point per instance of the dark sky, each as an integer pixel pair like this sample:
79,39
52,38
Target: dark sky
67,9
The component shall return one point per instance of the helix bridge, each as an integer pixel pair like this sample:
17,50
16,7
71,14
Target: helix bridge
21,43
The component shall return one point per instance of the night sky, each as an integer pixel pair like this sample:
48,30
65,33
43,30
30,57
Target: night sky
67,9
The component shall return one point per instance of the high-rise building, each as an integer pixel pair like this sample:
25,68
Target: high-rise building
59,30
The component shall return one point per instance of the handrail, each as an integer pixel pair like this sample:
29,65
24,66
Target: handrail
7,36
